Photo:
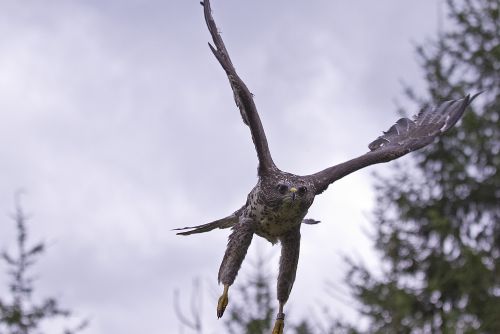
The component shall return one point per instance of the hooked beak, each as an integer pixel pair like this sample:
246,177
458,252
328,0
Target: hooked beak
293,190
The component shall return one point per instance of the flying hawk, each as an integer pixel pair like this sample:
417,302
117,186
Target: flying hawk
276,207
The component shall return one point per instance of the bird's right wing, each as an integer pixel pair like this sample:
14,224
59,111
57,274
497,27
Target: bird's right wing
403,137
242,96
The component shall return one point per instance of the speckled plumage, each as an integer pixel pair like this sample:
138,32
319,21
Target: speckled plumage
277,214
276,207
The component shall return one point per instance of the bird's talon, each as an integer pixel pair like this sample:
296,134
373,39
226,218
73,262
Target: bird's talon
223,301
279,324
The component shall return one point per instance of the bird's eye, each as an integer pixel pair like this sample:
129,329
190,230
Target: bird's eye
282,188
302,190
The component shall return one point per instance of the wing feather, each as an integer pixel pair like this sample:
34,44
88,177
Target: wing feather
404,136
242,96
227,222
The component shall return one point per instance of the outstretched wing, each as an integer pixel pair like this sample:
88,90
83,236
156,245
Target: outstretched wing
242,95
403,137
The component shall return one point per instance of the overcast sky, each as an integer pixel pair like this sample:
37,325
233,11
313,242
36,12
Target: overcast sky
120,125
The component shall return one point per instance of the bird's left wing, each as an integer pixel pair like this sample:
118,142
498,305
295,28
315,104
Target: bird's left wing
403,137
242,96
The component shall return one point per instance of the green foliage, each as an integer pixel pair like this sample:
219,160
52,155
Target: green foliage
19,314
437,221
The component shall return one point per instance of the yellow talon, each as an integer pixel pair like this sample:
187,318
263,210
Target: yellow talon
279,324
223,301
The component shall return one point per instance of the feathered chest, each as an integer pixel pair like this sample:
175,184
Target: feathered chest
275,218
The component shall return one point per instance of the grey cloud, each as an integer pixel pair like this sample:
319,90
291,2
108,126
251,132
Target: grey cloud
120,124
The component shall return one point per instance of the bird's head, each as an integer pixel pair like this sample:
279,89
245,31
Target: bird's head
289,190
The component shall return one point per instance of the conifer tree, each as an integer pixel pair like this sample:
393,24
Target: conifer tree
437,220
19,314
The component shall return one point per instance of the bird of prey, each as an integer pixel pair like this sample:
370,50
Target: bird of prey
276,207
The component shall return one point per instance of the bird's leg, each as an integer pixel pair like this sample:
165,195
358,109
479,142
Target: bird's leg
223,301
237,246
279,324
290,248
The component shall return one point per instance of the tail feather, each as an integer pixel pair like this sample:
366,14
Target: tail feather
227,222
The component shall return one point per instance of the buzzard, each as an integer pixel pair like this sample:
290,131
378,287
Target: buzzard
276,207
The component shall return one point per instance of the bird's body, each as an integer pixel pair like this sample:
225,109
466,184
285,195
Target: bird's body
277,204
276,207
275,214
